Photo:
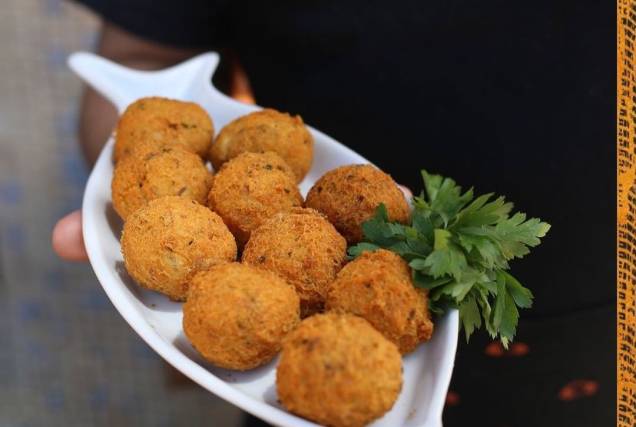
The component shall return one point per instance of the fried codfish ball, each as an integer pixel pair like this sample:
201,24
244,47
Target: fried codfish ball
302,247
170,239
266,130
236,316
337,370
251,188
165,122
378,286
349,195
150,172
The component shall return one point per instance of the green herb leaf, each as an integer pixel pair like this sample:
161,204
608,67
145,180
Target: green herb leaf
357,250
469,315
522,296
421,280
459,247
445,262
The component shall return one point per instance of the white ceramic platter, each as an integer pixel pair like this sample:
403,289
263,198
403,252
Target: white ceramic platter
427,371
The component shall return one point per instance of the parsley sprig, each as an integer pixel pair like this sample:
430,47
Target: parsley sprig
459,247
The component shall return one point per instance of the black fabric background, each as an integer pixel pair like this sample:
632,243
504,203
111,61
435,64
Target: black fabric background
515,98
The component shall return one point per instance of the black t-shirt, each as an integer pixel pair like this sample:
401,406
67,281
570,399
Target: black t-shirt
511,97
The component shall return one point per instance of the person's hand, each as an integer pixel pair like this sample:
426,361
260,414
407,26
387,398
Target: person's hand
67,239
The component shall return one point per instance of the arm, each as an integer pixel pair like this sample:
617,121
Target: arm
98,116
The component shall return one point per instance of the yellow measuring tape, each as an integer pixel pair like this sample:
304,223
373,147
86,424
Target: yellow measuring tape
626,225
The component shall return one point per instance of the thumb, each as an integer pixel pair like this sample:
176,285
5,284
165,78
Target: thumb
67,239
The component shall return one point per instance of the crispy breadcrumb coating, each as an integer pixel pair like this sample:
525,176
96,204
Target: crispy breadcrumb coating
251,188
170,239
149,173
266,130
337,370
378,286
236,316
302,247
165,122
349,195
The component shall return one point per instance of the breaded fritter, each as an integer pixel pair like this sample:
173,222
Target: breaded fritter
337,370
266,130
302,247
236,316
349,195
170,239
149,173
251,188
165,122
378,286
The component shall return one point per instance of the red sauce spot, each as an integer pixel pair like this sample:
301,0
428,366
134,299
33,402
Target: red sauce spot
494,349
577,389
452,399
590,388
567,393
518,349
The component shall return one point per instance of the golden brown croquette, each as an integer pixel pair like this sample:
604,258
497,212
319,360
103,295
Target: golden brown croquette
251,188
149,173
164,121
302,247
337,370
236,316
378,286
170,239
266,130
349,195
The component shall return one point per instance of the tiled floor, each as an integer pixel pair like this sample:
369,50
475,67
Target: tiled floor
66,357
